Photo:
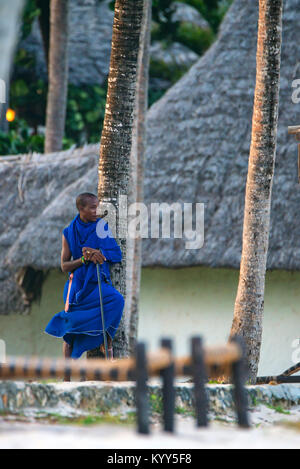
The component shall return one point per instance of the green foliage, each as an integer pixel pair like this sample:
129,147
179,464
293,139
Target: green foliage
85,113
254,400
278,409
167,31
162,12
86,104
112,5
84,119
24,59
28,99
92,419
156,403
171,72
195,38
19,139
30,12
154,95
183,411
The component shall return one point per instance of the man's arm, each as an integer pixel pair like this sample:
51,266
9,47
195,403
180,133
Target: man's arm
110,248
66,264
113,253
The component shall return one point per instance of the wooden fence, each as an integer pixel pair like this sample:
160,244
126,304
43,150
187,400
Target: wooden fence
203,362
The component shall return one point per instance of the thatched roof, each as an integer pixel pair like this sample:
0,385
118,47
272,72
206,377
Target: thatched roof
88,47
199,137
198,148
37,201
185,13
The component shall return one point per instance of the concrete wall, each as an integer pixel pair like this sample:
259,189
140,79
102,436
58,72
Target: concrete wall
201,300
177,303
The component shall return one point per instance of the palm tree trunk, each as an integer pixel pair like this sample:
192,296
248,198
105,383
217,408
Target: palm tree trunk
249,304
116,138
58,76
134,253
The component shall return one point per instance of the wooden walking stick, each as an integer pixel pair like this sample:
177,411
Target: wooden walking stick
67,376
101,309
68,294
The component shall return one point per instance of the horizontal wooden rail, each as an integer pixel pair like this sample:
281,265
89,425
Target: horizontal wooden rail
92,369
118,370
280,379
294,129
220,355
285,377
142,365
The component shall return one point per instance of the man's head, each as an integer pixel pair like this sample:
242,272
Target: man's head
87,204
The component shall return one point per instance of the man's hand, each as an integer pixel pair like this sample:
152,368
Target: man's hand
93,255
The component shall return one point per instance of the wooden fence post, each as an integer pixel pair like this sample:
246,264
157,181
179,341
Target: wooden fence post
141,391
200,378
168,390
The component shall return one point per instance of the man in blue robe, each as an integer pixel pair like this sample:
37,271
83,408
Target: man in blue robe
80,324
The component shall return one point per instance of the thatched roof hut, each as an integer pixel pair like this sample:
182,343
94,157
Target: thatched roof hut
37,201
198,148
199,137
88,47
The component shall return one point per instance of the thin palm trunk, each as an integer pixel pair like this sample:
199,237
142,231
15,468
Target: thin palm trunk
134,255
249,304
116,138
58,75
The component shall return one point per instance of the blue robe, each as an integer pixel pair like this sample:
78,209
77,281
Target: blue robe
81,326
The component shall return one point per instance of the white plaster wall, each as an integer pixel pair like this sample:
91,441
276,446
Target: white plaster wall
200,301
24,334
177,303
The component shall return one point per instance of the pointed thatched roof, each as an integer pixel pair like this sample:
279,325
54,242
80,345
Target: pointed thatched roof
198,148
185,13
88,47
37,201
199,136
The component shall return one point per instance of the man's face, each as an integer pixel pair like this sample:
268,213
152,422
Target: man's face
89,212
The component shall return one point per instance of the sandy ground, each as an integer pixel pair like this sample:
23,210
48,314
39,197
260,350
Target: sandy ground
269,430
